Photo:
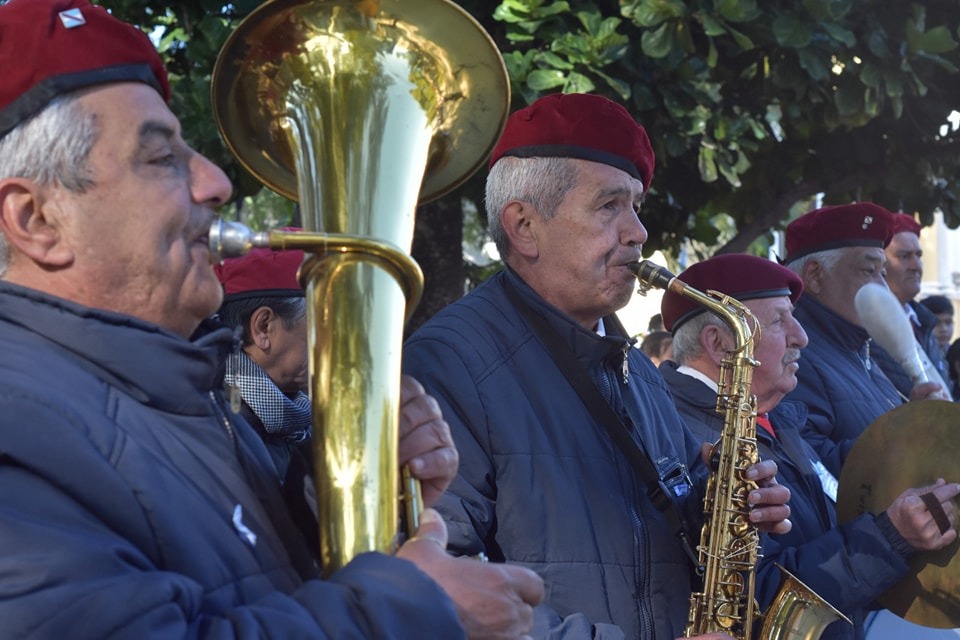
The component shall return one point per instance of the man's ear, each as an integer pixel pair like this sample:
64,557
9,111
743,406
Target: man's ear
519,223
259,323
28,220
716,342
812,275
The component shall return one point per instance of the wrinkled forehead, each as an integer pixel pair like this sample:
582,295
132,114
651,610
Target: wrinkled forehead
769,308
607,178
864,256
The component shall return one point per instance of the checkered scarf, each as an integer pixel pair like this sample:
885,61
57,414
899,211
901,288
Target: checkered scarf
279,414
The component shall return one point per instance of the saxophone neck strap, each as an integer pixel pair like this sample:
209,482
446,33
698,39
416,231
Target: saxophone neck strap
644,468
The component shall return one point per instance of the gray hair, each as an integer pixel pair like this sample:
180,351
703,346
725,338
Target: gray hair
686,339
541,181
237,313
52,147
827,259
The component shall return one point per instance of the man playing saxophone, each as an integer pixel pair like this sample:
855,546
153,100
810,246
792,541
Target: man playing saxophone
545,479
848,565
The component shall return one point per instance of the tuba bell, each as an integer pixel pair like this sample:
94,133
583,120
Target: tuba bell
359,110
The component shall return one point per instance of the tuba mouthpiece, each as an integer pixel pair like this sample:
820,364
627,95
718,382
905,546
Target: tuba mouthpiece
228,239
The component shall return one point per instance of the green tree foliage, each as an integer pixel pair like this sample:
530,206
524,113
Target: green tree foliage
754,107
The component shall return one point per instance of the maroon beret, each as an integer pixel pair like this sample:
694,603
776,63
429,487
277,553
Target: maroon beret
738,275
52,47
579,125
860,224
904,222
261,273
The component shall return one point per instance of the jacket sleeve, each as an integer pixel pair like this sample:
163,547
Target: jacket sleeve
469,504
82,564
848,566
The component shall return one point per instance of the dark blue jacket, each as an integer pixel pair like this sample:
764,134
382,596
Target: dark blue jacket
848,565
133,506
841,385
541,483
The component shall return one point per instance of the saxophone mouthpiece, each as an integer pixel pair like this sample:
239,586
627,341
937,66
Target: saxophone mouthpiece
650,275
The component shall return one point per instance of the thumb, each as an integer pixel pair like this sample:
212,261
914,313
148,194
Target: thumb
432,527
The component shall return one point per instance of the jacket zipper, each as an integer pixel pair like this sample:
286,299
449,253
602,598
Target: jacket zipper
223,418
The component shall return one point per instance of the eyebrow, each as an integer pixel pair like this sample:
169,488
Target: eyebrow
153,129
614,192
872,259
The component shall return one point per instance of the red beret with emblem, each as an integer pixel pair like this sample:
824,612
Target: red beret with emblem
579,125
738,275
261,273
860,224
53,47
904,222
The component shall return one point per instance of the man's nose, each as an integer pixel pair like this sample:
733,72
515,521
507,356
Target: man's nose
635,234
209,184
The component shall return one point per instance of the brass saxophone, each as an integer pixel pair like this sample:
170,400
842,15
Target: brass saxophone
729,546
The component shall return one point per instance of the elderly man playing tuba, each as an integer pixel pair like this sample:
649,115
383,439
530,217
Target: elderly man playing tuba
132,504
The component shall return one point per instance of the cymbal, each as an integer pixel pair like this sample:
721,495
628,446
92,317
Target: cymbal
910,446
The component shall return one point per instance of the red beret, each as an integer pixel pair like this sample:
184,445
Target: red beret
261,273
738,275
52,47
579,125
904,222
860,224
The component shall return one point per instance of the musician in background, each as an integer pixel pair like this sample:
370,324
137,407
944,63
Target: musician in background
268,373
848,565
267,382
658,346
942,308
953,364
133,505
539,381
836,250
903,273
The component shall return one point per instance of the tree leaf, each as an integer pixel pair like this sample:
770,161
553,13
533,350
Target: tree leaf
650,13
849,99
871,75
742,40
937,40
553,60
621,88
790,31
707,163
660,42
737,10
545,79
838,33
578,83
711,26
814,63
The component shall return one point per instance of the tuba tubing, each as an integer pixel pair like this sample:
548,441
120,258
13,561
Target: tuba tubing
358,110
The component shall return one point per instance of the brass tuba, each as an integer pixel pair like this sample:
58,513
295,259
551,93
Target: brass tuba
729,546
358,109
